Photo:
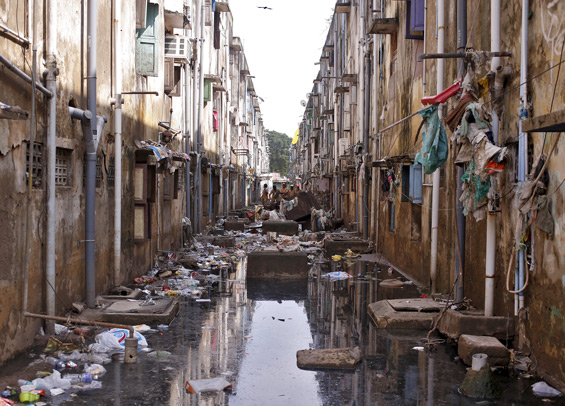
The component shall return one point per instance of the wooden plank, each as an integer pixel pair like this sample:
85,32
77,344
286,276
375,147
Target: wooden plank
552,122
349,78
342,89
12,112
384,26
343,7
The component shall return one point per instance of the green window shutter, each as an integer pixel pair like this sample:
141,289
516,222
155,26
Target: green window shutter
207,90
146,49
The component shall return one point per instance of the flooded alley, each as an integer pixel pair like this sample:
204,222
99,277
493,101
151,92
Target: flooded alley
247,331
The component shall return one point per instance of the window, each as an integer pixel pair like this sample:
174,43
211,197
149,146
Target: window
167,185
36,165
412,184
144,177
63,161
146,50
172,74
111,171
415,19
217,30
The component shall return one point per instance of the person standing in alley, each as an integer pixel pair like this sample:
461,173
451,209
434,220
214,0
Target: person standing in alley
275,196
265,195
292,193
285,192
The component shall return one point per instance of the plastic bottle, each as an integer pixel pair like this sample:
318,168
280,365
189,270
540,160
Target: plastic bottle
79,378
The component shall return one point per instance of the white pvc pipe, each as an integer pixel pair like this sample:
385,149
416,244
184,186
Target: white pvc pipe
51,84
117,49
436,177
522,140
490,259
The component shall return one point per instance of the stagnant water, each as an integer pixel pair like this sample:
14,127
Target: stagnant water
249,334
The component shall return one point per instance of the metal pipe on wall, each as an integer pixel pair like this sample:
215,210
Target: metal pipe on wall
117,50
366,145
90,264
460,217
491,217
436,175
51,83
523,140
198,175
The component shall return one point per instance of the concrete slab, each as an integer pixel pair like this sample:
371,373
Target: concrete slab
224,241
278,265
280,227
131,313
385,316
455,323
333,358
339,247
122,293
469,345
415,305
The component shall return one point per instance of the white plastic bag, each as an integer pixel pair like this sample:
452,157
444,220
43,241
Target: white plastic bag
116,338
543,390
51,382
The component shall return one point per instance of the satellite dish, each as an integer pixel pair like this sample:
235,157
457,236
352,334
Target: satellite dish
302,103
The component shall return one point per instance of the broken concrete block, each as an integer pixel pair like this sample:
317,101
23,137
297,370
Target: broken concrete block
224,241
468,345
455,323
280,227
278,265
234,225
333,358
481,384
333,247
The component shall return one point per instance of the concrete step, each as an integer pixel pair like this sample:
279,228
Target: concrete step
455,323
285,227
339,247
277,265
333,358
416,314
131,313
469,345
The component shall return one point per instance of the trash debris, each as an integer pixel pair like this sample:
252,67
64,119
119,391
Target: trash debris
141,328
207,385
337,276
391,283
542,389
336,258
115,339
55,346
159,354
418,348
56,391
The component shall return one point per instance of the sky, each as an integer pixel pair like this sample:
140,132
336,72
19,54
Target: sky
281,46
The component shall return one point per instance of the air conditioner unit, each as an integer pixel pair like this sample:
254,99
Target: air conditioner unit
178,47
343,146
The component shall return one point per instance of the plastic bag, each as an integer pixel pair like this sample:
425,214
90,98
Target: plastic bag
51,382
206,385
96,370
542,389
115,339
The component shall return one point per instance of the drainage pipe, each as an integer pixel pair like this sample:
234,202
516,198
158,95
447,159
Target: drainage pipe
491,217
198,176
460,217
117,49
436,177
187,137
210,193
51,82
522,140
367,120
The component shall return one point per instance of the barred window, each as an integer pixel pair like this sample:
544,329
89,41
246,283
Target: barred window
110,179
36,165
63,161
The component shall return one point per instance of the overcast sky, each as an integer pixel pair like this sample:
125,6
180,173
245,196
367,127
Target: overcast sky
281,46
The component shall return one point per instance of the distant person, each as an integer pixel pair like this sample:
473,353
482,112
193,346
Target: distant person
275,195
298,190
285,192
292,193
265,195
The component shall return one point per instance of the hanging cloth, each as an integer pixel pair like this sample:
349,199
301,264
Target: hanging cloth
434,142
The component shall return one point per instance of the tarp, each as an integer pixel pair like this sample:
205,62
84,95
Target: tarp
434,142
295,139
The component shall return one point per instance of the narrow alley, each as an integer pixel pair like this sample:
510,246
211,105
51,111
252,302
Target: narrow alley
254,202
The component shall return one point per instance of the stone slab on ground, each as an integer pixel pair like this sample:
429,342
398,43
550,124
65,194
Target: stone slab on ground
416,305
333,358
224,241
333,247
384,316
131,313
232,225
455,323
278,265
280,227
469,345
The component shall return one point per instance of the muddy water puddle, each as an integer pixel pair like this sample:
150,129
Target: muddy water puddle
249,335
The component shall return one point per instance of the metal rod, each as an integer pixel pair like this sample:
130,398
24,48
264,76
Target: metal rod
7,30
82,322
142,92
451,55
24,76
